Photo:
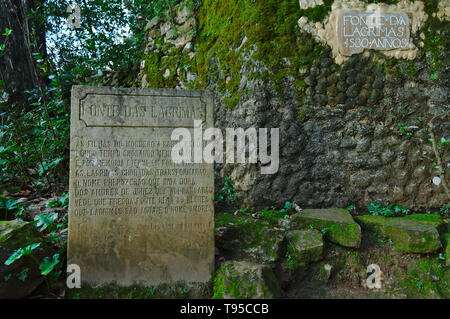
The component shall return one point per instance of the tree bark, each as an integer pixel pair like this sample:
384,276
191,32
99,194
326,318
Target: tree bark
18,68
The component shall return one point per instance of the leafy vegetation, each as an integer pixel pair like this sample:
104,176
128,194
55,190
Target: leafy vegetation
227,193
391,210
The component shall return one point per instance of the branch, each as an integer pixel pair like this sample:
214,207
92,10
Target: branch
438,157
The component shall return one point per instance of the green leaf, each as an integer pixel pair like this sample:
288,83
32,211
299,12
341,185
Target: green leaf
48,264
21,252
44,220
23,274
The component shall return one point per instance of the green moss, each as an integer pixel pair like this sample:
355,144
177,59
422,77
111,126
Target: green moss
227,282
408,234
429,278
437,36
179,290
17,234
341,228
243,280
317,13
304,246
270,25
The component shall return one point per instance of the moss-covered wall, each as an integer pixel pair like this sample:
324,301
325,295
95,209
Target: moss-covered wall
350,133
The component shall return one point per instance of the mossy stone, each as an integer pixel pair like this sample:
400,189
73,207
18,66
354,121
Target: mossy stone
408,235
250,239
305,246
176,290
245,280
338,225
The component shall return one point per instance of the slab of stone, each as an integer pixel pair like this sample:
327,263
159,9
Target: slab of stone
16,234
337,223
305,246
245,280
358,31
251,240
135,216
408,235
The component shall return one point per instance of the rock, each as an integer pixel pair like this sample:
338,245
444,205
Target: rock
322,272
180,42
165,28
166,74
188,26
16,234
252,240
154,33
408,235
188,47
304,246
340,226
171,34
153,22
242,279
183,13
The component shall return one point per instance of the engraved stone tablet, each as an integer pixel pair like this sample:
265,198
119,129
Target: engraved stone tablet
135,216
379,31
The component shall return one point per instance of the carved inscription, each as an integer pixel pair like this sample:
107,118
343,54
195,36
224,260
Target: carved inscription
135,216
379,31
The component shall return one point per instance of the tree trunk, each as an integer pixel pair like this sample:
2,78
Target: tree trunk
18,69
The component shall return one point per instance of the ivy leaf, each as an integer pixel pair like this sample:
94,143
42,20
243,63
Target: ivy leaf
44,220
7,32
23,274
21,252
48,264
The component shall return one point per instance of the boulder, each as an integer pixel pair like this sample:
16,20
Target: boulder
408,234
337,224
16,234
243,279
305,246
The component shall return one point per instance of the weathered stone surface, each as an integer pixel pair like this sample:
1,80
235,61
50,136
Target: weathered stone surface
305,246
16,234
314,170
372,30
136,217
242,279
341,228
305,4
388,28
408,235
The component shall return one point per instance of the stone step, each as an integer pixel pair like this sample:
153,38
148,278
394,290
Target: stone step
337,224
409,234
243,279
304,246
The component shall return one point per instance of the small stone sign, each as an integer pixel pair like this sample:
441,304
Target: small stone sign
135,216
379,31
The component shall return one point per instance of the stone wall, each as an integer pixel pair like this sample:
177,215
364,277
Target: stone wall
349,134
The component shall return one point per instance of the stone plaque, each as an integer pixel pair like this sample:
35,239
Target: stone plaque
379,31
135,216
